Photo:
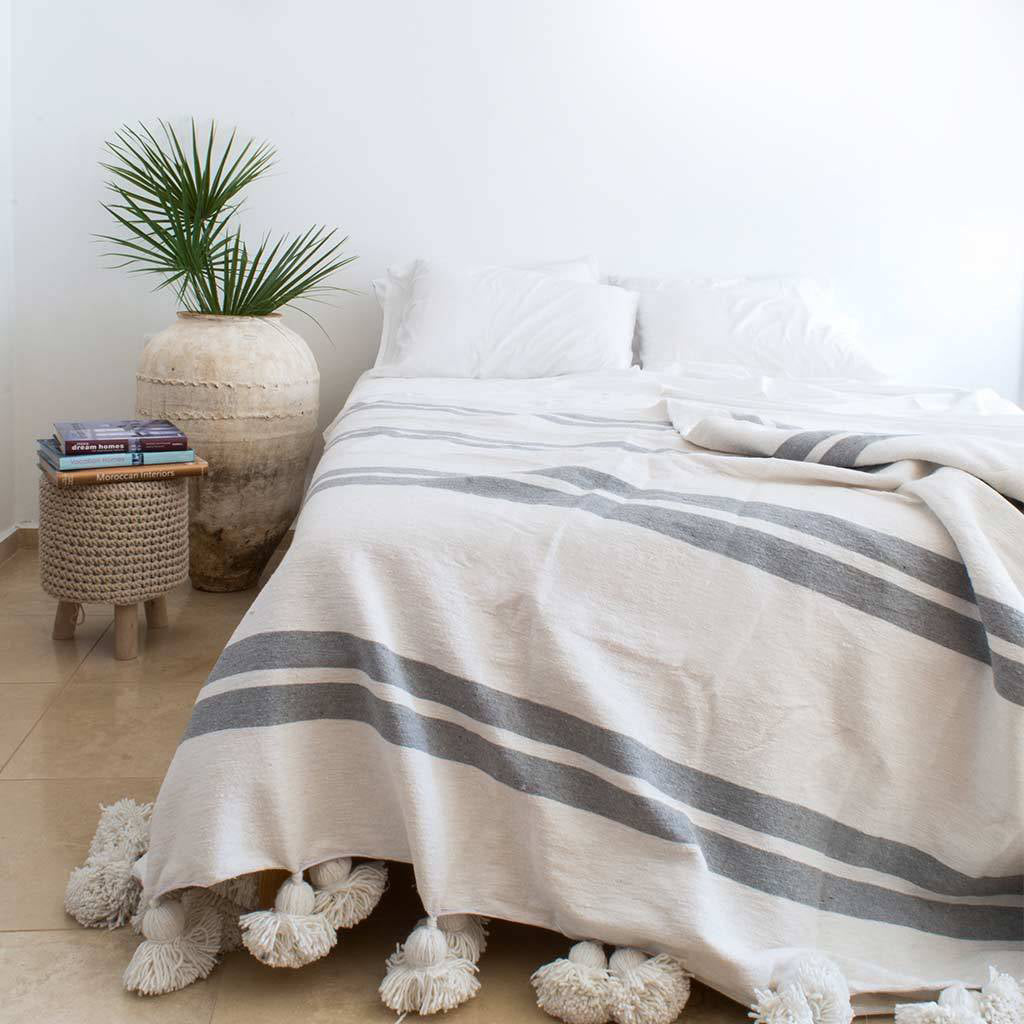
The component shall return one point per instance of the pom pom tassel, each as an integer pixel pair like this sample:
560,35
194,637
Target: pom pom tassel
466,935
243,891
179,947
785,1004
227,910
575,989
344,894
230,899
807,989
290,935
424,976
646,990
104,893
964,1005
1000,1001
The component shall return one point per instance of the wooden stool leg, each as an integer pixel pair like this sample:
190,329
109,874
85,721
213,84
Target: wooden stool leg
156,613
126,631
65,620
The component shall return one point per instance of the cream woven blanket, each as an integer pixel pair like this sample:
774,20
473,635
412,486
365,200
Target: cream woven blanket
587,675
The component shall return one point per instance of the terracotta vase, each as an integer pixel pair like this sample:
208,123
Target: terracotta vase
245,389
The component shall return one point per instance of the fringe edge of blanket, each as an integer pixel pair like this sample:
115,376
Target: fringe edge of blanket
435,969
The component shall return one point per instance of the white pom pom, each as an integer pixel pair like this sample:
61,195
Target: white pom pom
823,986
290,935
786,1005
123,830
466,934
807,989
956,1005
423,976
178,949
962,1006
346,895
576,988
215,899
102,893
646,990
925,1013
1002,999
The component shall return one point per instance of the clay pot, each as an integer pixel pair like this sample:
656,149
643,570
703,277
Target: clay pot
245,389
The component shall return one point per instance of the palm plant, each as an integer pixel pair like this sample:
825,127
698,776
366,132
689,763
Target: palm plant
178,209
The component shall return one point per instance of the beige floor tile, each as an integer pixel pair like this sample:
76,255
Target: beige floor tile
199,627
75,978
45,830
95,731
19,584
29,654
234,604
28,537
21,704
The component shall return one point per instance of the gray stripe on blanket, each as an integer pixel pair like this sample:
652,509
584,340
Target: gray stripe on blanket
472,441
785,559
799,446
937,570
760,812
846,450
534,776
568,418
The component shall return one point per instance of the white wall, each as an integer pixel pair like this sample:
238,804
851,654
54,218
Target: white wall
878,145
7,450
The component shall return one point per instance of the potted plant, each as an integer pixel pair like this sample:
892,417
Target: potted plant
242,385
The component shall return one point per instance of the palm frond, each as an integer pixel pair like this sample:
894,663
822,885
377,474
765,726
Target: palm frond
176,203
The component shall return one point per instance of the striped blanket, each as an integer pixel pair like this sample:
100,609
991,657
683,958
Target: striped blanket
588,675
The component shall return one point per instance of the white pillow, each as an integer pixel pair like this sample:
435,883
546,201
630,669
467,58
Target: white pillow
511,323
779,327
392,291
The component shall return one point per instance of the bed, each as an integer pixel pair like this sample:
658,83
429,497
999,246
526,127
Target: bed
586,674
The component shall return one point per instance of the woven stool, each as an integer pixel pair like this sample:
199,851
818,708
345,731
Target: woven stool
113,543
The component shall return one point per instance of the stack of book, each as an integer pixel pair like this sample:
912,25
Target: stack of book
97,452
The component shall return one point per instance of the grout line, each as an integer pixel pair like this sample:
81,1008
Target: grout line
39,718
71,928
87,778
60,692
216,996
102,634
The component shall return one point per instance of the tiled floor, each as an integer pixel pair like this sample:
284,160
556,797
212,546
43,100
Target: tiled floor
78,729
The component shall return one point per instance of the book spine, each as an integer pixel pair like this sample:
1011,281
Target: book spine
162,444
87,477
68,463
135,444
48,457
166,458
95,447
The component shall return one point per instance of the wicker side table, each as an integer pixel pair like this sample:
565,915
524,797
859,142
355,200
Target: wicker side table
113,543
